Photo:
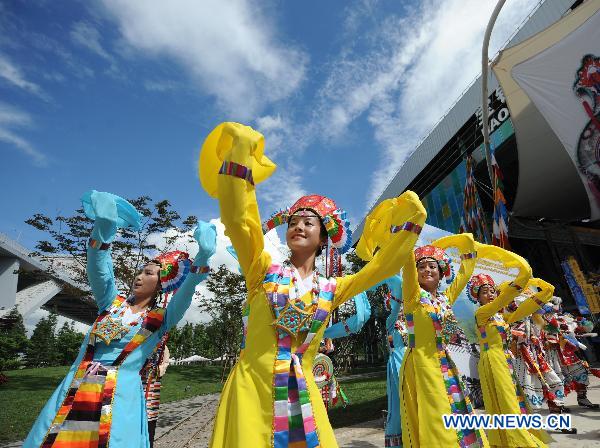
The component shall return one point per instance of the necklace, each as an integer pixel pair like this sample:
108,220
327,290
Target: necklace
295,316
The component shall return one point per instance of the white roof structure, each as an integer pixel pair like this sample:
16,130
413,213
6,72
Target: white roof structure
27,283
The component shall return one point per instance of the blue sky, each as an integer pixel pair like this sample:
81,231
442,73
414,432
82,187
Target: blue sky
117,95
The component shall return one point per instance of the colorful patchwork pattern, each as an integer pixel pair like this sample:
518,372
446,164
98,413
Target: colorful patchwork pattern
408,226
237,170
455,390
85,416
293,420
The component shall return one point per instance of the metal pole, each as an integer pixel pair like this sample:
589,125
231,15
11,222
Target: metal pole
484,87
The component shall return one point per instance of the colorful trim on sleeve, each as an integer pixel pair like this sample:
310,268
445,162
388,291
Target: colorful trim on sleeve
237,170
95,244
199,269
408,226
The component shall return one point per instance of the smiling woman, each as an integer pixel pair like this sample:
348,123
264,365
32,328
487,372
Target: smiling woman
271,398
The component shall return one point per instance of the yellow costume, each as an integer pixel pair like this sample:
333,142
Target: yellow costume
430,384
501,395
254,409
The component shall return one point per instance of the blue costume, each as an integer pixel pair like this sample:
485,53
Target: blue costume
396,330
101,401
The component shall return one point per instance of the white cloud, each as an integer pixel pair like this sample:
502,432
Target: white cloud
417,65
12,118
229,48
87,36
13,75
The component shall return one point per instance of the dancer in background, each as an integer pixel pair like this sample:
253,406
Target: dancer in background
396,340
323,369
270,397
152,373
430,386
501,394
562,347
100,402
430,383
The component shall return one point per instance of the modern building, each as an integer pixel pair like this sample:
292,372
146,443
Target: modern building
28,283
549,211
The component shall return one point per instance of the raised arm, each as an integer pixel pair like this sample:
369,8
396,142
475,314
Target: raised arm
108,212
395,285
353,324
231,162
533,303
466,246
403,221
508,290
206,236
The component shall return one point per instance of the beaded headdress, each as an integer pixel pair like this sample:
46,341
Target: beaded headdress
439,256
334,219
174,268
475,284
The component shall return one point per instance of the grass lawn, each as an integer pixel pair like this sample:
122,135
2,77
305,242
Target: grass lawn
27,390
24,395
367,399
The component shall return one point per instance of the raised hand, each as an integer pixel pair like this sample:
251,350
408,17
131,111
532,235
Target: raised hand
206,236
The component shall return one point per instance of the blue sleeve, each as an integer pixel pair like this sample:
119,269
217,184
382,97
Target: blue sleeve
101,277
354,323
181,301
206,236
390,322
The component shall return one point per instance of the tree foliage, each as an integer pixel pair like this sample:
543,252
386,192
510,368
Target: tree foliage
68,235
13,340
225,309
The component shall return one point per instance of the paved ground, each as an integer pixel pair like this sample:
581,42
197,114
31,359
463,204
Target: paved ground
188,424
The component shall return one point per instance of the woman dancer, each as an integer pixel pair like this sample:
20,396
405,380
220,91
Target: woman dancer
430,383
396,335
270,398
100,402
501,395
561,346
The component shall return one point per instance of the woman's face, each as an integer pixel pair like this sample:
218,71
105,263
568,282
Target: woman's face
147,281
486,294
428,274
304,233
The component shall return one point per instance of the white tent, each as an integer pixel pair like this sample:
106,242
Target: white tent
552,108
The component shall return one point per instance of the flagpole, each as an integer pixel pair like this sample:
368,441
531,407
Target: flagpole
484,87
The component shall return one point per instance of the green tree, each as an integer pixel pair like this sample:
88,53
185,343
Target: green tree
13,340
68,235
225,309
68,341
41,348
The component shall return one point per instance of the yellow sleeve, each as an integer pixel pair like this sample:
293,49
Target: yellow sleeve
533,303
236,145
411,290
507,291
407,208
466,245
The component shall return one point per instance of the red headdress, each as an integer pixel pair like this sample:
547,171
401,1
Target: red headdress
174,268
438,255
333,218
475,284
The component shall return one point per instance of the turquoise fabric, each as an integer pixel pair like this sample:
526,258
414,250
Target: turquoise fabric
129,425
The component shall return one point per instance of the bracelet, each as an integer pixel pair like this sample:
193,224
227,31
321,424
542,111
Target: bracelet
408,226
237,170
199,269
468,255
95,244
